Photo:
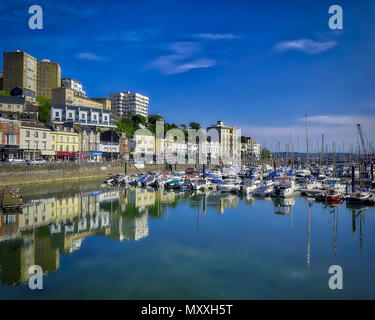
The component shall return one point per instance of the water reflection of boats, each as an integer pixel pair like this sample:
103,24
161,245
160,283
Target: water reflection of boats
283,205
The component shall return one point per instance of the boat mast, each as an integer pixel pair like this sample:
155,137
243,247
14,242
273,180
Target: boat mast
307,141
322,148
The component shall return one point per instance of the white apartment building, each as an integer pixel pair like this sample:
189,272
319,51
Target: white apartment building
75,85
129,103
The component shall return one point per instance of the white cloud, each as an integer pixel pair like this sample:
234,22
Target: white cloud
305,45
182,60
346,120
90,56
216,36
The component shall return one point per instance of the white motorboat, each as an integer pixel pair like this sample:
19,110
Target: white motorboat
263,191
358,197
247,186
229,185
200,183
312,184
334,184
284,187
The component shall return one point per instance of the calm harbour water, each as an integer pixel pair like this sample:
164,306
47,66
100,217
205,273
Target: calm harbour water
100,243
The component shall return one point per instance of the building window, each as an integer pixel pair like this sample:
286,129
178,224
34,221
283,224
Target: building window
61,139
67,139
67,148
36,134
61,148
44,135
27,144
11,139
27,133
44,145
36,145
73,148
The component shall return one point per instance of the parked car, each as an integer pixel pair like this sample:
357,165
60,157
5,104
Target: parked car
16,161
37,162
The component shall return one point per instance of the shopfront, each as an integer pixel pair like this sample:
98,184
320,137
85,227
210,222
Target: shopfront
64,156
95,156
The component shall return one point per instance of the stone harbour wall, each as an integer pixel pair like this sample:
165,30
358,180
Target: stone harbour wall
26,174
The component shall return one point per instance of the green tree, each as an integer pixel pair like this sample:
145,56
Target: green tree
127,125
183,126
4,94
44,109
194,125
266,154
138,119
151,123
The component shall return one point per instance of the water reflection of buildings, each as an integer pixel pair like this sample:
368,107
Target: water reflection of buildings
49,227
221,201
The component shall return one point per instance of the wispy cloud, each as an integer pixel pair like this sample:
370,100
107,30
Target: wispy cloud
217,36
337,120
128,35
305,45
90,56
182,60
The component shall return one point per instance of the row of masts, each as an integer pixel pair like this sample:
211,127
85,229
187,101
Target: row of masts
323,151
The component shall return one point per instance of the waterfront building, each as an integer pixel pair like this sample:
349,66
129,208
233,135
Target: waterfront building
65,140
36,141
9,139
75,85
68,97
126,102
124,146
20,70
81,115
69,107
109,144
89,141
229,140
249,148
49,77
142,145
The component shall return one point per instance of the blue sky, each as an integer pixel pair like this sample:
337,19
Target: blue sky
259,65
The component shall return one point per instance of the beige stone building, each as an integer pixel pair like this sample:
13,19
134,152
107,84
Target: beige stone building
229,139
49,77
36,141
68,97
11,105
20,70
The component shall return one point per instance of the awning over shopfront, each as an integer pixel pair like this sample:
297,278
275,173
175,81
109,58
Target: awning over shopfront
96,153
59,153
48,152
